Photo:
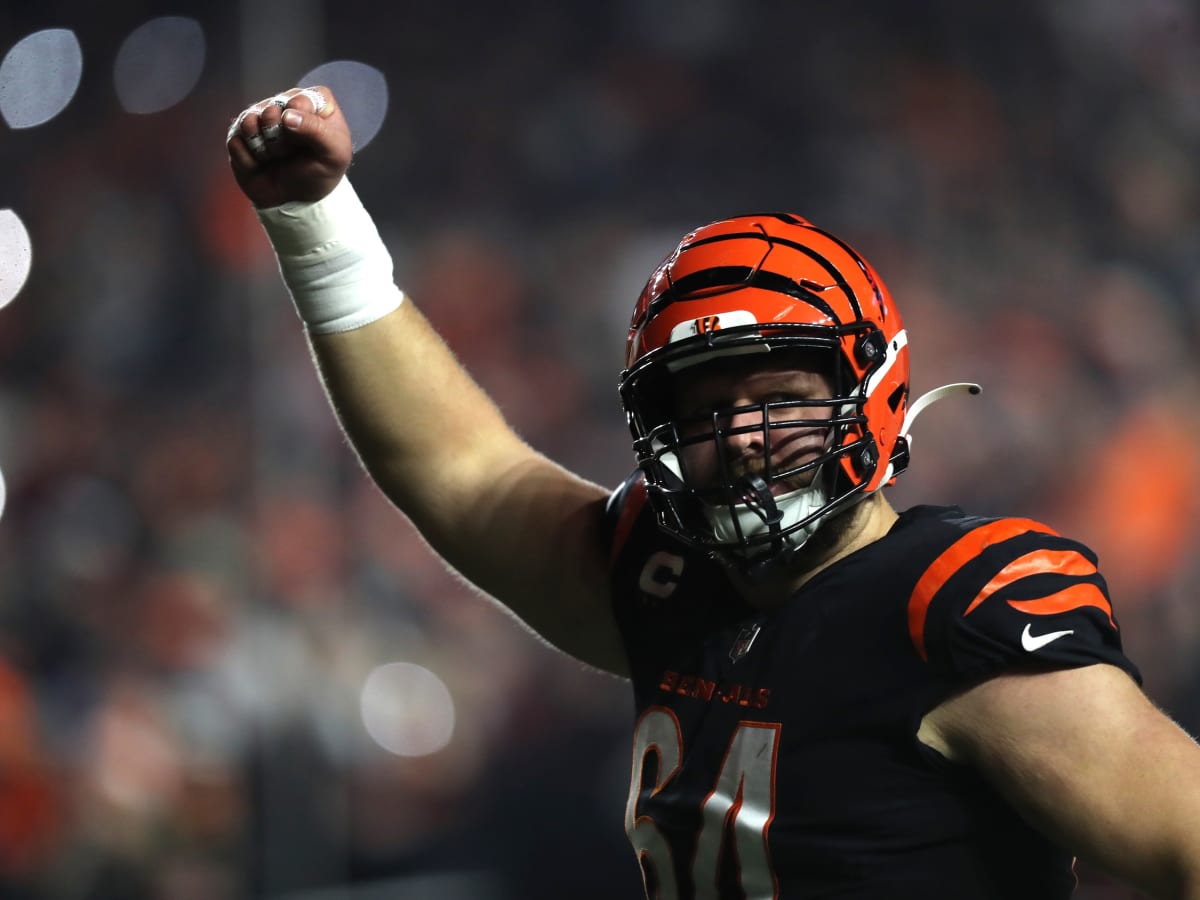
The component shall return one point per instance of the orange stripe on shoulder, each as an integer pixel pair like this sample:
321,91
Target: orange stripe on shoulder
1074,597
953,558
1061,562
635,498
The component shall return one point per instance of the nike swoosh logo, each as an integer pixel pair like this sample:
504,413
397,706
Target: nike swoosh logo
1033,642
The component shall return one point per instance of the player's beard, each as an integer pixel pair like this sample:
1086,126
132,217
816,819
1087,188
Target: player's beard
776,582
828,537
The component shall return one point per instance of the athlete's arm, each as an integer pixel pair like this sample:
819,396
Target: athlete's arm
1090,761
515,524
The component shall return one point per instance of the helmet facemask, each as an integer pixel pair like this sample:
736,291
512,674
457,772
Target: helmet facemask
751,483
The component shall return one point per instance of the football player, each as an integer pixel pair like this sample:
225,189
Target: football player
833,698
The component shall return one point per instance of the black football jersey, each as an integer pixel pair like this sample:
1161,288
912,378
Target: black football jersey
775,753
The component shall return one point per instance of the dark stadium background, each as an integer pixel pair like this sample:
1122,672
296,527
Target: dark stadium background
203,603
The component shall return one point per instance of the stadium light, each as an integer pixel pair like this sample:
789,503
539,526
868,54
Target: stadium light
407,709
159,64
39,76
362,93
16,255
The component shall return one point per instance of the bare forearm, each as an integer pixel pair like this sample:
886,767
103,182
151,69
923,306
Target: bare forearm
407,405
511,521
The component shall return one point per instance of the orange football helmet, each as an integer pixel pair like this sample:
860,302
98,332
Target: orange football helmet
766,284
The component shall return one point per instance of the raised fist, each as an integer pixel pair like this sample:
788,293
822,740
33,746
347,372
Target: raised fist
293,146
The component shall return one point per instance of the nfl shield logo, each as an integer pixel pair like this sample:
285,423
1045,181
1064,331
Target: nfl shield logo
741,644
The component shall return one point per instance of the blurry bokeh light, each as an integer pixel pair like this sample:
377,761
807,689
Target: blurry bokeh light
39,76
407,709
159,63
16,255
362,92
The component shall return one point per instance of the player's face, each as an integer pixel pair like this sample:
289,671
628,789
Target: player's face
752,417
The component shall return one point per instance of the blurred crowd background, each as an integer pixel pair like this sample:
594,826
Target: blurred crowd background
205,606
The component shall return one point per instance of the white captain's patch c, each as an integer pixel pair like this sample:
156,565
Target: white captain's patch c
660,575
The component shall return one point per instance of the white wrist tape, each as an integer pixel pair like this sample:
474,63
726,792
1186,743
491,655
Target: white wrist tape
333,261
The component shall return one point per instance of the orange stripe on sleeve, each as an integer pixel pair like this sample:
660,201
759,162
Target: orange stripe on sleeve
635,499
953,558
1060,562
1074,597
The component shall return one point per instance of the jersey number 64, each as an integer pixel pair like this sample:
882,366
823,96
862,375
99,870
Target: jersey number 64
739,808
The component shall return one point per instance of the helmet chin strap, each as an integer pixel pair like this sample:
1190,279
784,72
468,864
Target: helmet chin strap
923,402
920,405
759,513
931,397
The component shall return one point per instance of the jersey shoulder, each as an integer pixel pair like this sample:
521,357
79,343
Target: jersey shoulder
997,594
633,529
626,506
